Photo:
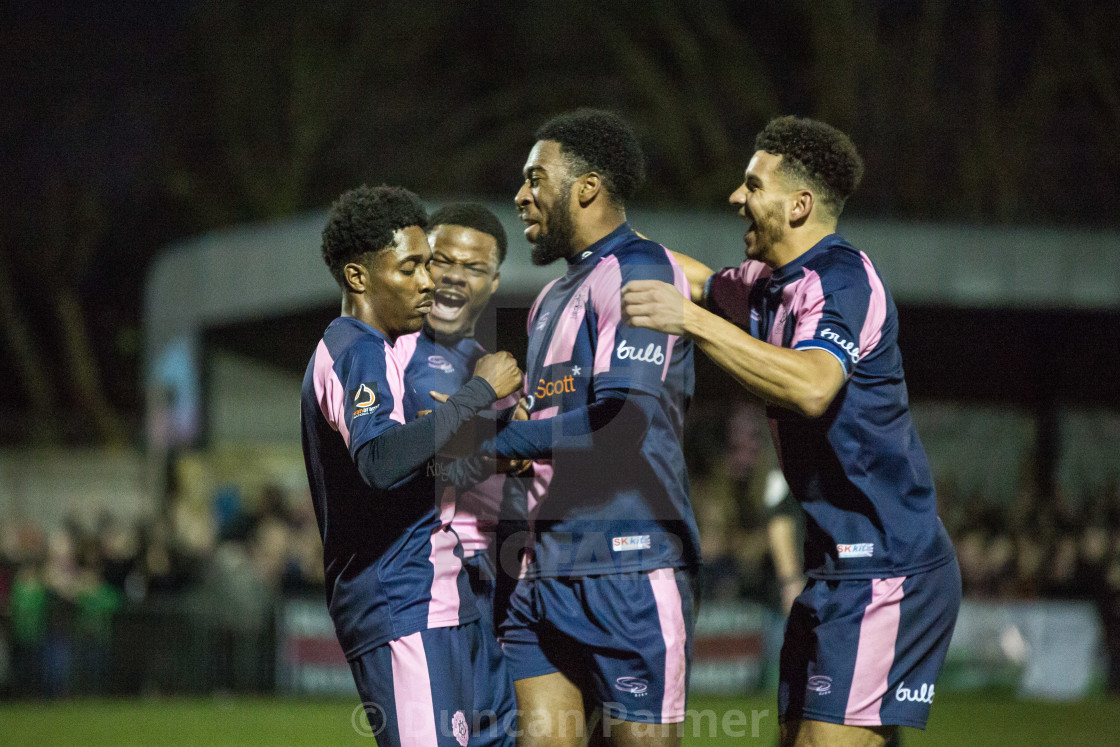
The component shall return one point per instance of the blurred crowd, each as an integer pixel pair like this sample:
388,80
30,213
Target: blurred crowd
62,590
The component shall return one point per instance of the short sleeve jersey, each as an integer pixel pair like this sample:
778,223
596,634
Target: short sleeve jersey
615,501
393,565
431,365
859,471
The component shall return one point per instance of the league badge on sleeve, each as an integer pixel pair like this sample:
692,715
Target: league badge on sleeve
365,399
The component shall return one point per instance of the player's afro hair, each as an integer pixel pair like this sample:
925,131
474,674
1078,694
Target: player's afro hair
600,141
816,152
472,215
364,220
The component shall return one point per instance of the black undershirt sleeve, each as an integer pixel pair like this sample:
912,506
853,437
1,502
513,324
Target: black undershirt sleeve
627,414
398,452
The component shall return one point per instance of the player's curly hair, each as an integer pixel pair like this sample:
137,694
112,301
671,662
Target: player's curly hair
471,215
364,220
817,153
599,141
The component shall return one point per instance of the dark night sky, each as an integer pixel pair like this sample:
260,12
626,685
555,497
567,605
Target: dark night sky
116,125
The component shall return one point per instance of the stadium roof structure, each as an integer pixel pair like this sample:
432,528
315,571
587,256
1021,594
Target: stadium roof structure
268,270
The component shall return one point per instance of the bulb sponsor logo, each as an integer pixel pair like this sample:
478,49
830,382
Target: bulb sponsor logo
849,347
651,354
923,694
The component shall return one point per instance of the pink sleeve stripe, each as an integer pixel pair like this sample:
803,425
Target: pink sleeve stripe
412,692
671,616
872,330
878,633
567,327
680,282
329,392
443,608
536,305
394,371
606,295
809,308
405,348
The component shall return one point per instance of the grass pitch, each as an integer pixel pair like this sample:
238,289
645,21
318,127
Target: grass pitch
958,719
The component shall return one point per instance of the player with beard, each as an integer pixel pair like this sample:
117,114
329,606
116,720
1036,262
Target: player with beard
396,588
602,619
468,247
807,324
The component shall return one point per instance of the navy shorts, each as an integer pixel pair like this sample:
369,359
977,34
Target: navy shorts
491,591
867,652
625,640
437,688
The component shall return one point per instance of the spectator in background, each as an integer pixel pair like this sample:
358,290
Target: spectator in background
120,546
28,607
60,576
96,601
304,572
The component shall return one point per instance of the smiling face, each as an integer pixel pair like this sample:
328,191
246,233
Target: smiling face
544,203
464,269
762,200
399,287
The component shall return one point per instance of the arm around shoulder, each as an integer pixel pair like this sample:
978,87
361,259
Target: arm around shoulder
805,381
697,273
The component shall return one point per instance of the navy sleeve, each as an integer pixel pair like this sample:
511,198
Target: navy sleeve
366,410
627,415
842,312
398,452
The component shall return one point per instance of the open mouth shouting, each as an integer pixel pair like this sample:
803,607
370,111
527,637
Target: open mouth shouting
448,304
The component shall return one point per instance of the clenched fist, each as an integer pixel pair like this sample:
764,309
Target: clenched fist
500,371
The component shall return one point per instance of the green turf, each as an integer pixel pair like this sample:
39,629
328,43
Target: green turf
957,720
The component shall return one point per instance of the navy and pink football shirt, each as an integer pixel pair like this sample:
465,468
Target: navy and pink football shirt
443,367
613,497
393,564
859,471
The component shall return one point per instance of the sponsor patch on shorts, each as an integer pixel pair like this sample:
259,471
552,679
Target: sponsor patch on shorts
633,542
860,550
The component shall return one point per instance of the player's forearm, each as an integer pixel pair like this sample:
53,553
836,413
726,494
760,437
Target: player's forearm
784,377
697,273
398,452
782,532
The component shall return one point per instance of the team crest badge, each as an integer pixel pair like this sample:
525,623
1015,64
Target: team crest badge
365,399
